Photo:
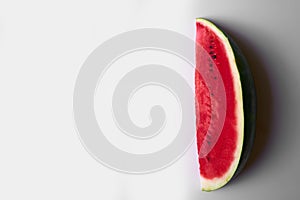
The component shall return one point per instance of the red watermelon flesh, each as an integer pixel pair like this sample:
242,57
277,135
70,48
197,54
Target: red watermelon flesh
218,165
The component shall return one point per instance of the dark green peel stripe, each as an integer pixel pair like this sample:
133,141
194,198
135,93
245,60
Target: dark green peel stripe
249,104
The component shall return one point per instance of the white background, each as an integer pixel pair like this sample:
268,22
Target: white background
42,47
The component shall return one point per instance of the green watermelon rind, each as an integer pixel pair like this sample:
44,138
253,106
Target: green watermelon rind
249,104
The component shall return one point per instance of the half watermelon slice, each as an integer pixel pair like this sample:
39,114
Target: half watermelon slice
224,143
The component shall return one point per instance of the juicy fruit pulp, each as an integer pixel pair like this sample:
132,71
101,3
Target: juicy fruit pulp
218,166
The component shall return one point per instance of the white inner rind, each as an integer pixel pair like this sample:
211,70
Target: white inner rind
213,184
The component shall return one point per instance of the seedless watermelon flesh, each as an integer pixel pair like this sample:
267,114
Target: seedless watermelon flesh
230,145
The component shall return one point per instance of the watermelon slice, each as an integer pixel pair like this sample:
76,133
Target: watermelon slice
225,121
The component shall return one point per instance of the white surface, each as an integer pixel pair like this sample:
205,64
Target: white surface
42,46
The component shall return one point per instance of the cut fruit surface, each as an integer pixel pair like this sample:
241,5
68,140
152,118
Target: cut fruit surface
225,123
